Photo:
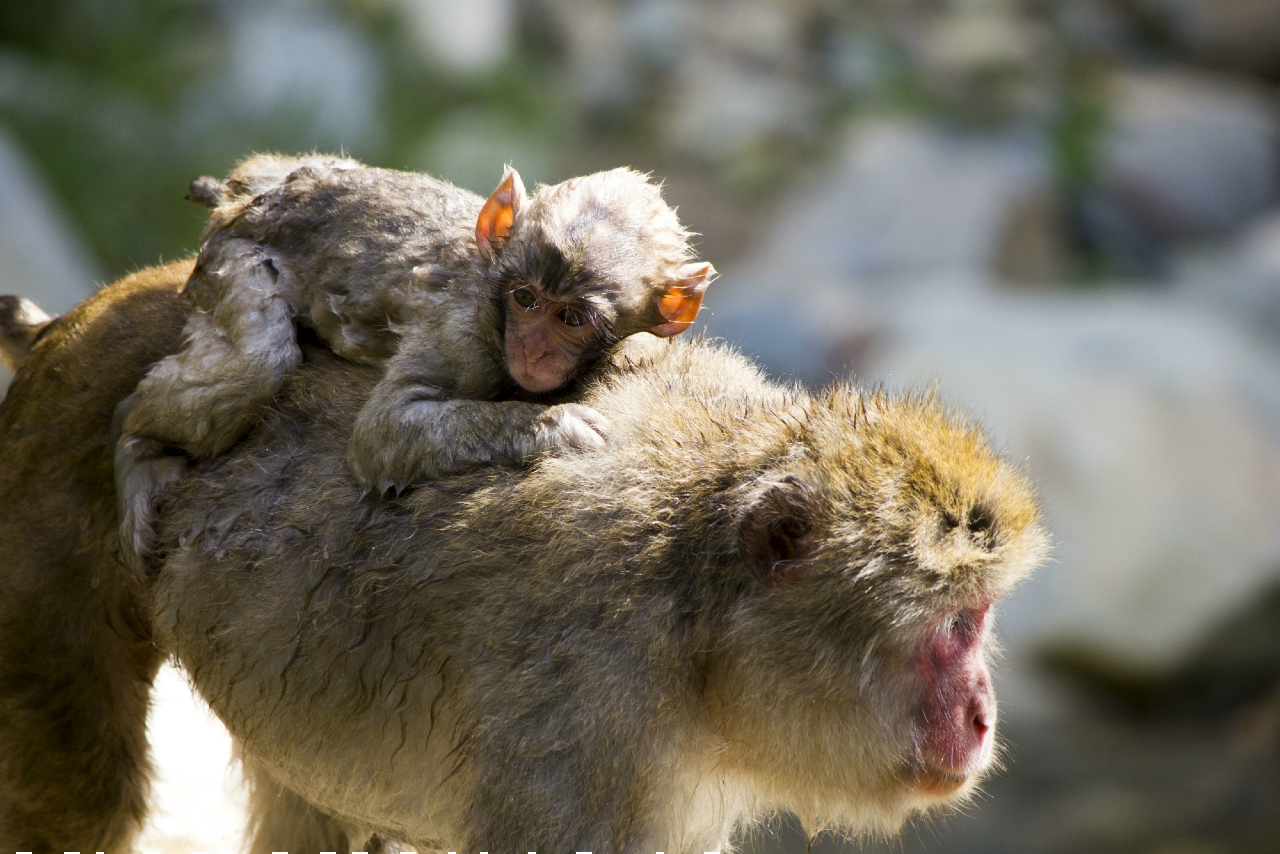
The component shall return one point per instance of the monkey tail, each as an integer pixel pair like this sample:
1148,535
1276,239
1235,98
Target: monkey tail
21,322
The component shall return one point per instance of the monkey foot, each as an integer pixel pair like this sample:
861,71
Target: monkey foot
143,473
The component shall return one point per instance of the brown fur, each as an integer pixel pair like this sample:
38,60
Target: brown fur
597,653
76,653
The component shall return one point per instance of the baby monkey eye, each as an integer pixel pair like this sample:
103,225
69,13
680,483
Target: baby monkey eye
523,297
572,317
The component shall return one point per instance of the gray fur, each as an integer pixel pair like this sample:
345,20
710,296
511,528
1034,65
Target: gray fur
590,654
383,266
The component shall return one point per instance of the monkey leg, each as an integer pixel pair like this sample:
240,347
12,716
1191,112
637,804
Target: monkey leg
404,436
143,471
282,821
74,691
238,349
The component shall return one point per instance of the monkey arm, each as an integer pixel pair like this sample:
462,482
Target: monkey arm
410,432
433,412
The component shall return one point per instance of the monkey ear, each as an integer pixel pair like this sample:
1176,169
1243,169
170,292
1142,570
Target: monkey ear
499,213
776,534
680,304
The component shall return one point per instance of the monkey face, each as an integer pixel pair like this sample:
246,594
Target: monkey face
862,656
605,249
547,341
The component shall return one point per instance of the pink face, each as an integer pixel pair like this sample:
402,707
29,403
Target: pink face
954,723
545,339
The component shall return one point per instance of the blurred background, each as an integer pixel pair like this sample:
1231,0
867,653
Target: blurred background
1065,213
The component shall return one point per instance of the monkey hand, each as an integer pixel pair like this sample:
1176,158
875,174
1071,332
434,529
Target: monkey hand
569,425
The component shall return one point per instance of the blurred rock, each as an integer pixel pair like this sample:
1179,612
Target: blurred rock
1239,34
859,61
1128,246
904,202
1235,668
1034,247
721,108
298,68
1153,432
739,84
659,30
762,34
600,60
1151,429
1098,25
1188,154
41,256
469,38
470,147
981,59
1241,277
800,326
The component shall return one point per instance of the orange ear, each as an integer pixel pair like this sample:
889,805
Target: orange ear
680,304
499,214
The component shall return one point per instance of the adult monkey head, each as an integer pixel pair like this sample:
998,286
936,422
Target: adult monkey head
878,557
582,265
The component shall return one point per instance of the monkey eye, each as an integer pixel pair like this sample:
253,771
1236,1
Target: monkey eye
573,317
523,297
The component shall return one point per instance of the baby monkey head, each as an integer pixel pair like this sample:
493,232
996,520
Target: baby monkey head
583,264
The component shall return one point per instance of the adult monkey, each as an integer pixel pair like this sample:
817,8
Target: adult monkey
76,650
753,600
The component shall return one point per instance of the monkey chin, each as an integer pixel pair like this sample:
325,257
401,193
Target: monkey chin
933,782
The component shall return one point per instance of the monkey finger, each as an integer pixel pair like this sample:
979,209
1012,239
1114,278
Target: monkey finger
568,426
590,417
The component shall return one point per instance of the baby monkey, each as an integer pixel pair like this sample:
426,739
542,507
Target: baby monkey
467,301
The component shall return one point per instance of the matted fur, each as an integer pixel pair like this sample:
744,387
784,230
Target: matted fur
384,267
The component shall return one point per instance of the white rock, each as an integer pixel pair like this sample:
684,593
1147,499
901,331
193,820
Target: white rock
904,202
467,38
1153,432
1241,277
198,799
1190,153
